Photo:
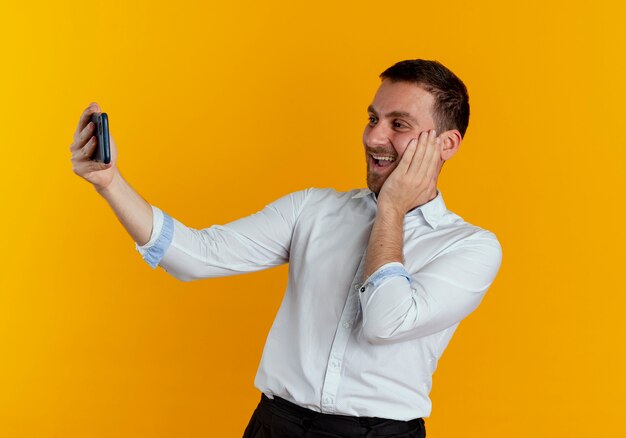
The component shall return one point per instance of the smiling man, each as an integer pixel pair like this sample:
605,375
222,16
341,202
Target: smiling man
379,278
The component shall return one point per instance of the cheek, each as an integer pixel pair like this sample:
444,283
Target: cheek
401,141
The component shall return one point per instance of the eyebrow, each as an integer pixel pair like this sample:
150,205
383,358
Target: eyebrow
393,114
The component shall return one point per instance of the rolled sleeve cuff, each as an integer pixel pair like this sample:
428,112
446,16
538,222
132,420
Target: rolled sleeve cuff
162,233
386,271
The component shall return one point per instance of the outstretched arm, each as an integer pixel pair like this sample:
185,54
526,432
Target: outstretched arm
259,241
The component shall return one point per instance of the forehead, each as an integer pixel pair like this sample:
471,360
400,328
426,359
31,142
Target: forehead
403,97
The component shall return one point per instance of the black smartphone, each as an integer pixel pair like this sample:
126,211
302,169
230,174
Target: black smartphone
101,131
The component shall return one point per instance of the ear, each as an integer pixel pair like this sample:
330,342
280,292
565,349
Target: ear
451,143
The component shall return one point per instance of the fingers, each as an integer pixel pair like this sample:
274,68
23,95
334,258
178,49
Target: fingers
431,153
422,148
84,167
87,151
85,116
424,166
83,154
85,127
82,137
84,145
435,157
431,160
407,156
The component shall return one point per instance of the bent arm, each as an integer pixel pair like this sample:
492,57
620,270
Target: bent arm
386,240
399,306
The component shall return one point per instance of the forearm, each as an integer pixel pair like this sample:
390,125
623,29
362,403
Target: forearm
259,241
386,240
439,293
134,213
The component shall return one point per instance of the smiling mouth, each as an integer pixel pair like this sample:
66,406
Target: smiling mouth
381,161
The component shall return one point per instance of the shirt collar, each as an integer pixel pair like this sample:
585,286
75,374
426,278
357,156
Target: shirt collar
432,211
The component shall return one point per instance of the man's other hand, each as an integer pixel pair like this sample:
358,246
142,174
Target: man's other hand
414,181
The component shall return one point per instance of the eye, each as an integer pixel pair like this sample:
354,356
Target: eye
397,124
372,120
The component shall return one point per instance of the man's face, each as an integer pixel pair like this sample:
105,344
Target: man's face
398,113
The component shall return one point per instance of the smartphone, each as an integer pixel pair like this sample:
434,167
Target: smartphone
103,149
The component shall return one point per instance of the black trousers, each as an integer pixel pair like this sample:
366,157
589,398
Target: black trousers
279,418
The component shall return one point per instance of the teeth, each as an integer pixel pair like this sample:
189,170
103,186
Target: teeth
383,158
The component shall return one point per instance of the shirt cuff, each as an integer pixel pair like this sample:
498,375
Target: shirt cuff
390,273
386,271
161,238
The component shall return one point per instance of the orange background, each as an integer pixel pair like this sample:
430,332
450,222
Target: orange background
220,108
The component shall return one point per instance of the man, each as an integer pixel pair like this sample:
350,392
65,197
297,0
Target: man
379,278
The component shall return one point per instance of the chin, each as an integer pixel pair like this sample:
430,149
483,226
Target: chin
375,183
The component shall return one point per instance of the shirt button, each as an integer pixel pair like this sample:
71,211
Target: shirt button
346,325
362,289
356,287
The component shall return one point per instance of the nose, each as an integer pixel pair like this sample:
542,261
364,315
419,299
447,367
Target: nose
376,135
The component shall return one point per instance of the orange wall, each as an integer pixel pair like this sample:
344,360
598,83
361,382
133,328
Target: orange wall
220,108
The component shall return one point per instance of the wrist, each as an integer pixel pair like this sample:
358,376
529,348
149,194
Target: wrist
390,212
112,186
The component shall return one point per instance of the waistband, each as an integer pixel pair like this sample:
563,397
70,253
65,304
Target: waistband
340,424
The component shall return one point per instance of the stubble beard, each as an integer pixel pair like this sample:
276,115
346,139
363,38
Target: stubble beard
375,181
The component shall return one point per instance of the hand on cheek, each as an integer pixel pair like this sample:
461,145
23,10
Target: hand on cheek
414,181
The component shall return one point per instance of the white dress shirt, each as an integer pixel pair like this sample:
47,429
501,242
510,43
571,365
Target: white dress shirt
341,345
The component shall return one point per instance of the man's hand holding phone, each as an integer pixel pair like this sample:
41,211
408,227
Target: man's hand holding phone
83,149
414,181
133,212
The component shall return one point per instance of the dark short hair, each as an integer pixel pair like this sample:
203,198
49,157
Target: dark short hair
451,108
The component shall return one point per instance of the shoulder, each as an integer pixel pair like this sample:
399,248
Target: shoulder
313,197
456,223
476,242
317,195
460,234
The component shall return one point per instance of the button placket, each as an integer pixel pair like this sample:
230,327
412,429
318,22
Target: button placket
332,378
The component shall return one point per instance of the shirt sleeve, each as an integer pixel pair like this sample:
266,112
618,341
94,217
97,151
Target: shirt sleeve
153,250
399,306
259,241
